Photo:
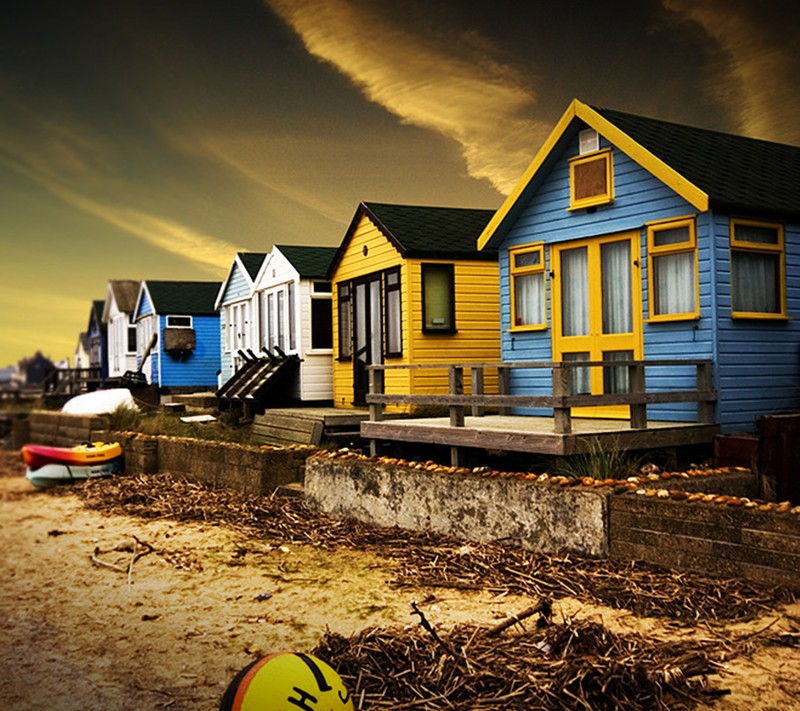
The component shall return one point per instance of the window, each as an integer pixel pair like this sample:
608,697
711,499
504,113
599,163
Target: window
131,335
280,322
672,268
526,267
292,318
591,180
321,287
321,324
345,323
179,321
393,318
757,270
438,298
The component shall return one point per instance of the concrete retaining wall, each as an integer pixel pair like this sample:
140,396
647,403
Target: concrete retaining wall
716,538
595,519
467,506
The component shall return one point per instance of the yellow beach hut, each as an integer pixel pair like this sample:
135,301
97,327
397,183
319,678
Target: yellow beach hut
410,287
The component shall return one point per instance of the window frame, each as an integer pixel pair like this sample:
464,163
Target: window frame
654,251
167,323
344,291
514,272
388,319
449,269
605,198
737,245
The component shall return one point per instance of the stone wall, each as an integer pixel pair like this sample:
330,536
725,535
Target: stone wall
717,538
60,430
256,471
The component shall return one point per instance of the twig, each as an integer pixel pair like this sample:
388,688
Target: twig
543,606
427,626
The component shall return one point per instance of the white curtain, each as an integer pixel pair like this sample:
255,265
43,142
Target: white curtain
755,282
529,299
575,292
615,265
674,281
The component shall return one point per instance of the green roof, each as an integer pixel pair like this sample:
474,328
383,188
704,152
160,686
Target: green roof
737,173
252,262
434,232
194,298
310,262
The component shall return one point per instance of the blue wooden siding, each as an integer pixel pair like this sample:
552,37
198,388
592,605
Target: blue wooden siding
237,289
758,361
145,305
200,368
639,198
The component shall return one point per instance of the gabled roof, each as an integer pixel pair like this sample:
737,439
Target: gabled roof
707,168
190,298
424,231
125,292
96,317
310,262
250,263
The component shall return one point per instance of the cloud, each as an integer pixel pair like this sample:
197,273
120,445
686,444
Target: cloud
453,83
71,163
757,75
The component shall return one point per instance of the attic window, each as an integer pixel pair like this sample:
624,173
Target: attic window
588,141
591,180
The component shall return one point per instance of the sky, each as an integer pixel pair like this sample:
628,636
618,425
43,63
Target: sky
153,139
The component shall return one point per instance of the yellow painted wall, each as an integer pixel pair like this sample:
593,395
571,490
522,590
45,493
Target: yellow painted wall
477,338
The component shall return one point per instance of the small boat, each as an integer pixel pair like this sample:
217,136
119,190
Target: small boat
38,455
52,474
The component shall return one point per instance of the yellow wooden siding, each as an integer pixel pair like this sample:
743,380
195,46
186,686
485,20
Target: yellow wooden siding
477,337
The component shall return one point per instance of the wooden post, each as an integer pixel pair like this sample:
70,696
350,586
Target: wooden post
562,420
456,388
504,386
636,385
377,386
477,389
705,408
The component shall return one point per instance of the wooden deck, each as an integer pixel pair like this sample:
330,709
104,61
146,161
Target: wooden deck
564,433
538,434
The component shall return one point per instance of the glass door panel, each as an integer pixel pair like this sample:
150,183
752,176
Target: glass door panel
596,295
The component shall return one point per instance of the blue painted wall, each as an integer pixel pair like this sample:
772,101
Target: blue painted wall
756,362
199,369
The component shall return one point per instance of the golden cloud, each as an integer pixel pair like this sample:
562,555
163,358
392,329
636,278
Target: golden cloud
454,85
756,78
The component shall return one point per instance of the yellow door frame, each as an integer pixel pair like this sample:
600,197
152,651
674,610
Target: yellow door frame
595,343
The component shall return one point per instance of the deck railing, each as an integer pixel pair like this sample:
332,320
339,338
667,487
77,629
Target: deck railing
71,381
560,401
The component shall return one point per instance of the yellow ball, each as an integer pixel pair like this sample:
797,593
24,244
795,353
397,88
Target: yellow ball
288,681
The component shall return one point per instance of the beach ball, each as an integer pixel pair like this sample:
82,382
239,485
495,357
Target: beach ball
287,681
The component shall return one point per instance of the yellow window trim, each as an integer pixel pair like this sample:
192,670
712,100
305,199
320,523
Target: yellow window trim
779,249
606,155
654,251
514,272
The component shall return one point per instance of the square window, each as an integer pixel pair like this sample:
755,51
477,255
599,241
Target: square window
591,180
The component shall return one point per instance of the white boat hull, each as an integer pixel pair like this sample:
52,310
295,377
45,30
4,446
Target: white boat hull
52,474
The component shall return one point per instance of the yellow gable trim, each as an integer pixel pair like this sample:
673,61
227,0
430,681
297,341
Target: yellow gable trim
577,109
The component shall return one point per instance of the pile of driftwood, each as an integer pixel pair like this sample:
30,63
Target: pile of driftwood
571,665
428,560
